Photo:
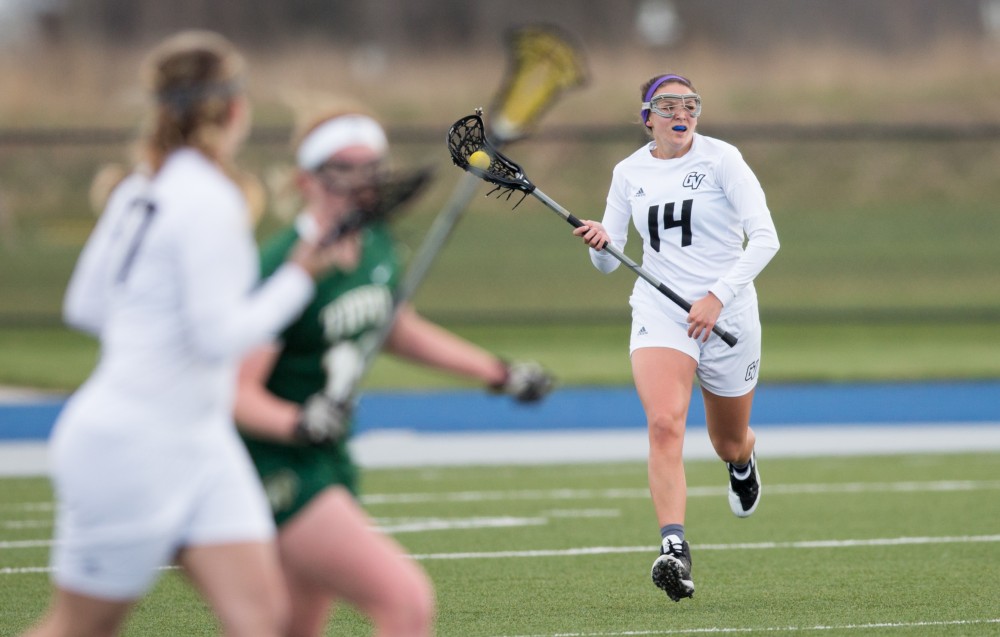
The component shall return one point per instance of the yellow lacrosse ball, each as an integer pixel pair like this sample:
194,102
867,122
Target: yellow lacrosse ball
480,159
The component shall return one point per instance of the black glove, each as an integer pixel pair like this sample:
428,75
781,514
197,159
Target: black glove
323,421
526,382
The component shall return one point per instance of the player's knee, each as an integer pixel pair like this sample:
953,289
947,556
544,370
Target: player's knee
70,615
409,609
267,616
421,606
733,450
421,614
666,429
727,453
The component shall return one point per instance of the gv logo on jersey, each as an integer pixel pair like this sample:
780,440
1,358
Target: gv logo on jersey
693,180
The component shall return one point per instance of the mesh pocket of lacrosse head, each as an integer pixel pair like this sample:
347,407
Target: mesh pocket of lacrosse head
465,137
379,201
468,135
391,191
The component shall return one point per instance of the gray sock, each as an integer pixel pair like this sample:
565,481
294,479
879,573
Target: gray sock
672,529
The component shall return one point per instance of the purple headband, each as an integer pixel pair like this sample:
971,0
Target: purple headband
644,113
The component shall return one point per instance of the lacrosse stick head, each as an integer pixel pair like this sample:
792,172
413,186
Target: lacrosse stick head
543,62
381,200
466,138
387,196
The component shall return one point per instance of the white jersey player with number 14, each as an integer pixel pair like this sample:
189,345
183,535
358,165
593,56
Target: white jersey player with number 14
706,234
692,213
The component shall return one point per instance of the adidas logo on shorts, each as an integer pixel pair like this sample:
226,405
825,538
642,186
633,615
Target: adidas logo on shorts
642,331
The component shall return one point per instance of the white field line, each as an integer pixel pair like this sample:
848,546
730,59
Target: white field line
609,550
37,507
775,629
27,524
579,494
420,525
25,544
448,524
806,544
631,493
583,513
693,492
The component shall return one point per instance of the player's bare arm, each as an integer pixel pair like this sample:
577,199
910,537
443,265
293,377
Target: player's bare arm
258,411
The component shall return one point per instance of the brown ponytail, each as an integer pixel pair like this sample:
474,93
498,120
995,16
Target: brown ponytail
193,78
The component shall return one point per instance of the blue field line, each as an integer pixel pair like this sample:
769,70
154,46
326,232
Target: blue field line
582,408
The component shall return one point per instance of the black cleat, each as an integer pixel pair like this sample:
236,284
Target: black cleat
744,495
672,570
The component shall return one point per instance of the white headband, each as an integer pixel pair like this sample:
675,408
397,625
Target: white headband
339,133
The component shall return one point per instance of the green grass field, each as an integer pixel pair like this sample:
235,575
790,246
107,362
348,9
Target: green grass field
596,354
894,545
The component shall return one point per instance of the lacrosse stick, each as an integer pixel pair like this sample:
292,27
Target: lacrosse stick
379,201
542,64
467,138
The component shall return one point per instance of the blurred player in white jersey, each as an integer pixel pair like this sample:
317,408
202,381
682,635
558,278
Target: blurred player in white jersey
695,202
147,467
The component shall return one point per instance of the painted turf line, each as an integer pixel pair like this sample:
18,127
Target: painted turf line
18,525
420,525
804,544
28,506
609,550
693,492
631,493
441,524
774,629
25,544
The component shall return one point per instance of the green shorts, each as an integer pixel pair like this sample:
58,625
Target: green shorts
293,475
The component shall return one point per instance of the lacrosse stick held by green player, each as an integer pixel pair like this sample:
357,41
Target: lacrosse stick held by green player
379,201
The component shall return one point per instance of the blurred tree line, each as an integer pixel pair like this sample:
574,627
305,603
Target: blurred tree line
449,24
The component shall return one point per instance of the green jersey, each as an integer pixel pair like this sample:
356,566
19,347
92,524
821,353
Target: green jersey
321,351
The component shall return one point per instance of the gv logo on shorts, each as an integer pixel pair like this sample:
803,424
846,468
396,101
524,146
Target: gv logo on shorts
752,370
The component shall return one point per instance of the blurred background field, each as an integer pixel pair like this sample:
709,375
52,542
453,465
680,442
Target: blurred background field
874,128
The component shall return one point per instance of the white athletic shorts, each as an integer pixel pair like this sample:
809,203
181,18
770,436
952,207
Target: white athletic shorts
722,370
129,498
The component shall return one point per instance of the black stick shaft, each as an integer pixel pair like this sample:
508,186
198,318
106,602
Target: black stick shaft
728,338
350,223
437,236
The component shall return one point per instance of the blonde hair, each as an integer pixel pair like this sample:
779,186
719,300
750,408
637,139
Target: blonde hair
193,78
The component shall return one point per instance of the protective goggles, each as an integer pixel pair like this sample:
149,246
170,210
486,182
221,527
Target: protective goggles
669,104
339,176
